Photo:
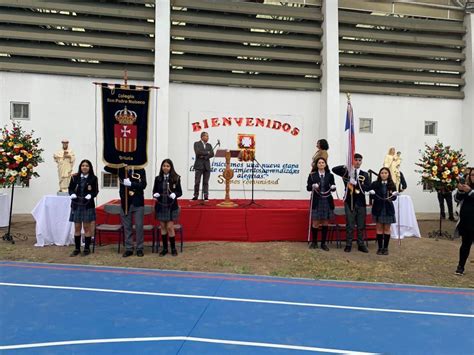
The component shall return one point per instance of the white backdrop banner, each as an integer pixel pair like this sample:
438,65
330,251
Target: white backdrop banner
278,141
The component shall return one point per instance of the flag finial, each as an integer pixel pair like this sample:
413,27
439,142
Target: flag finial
348,96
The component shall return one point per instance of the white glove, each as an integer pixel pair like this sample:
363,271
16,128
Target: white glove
156,195
395,193
315,186
353,181
372,192
88,197
73,196
127,182
333,187
173,195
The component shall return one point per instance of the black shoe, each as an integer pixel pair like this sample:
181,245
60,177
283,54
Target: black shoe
194,198
174,252
459,271
206,198
127,254
451,218
362,248
443,216
75,252
140,252
86,252
324,247
313,245
348,249
384,251
163,252
379,251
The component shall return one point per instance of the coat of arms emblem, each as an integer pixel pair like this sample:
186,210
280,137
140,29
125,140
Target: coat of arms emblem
125,132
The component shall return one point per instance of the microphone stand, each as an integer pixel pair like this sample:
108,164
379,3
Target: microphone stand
252,201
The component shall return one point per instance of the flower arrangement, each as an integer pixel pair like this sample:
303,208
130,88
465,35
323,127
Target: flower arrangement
441,166
19,156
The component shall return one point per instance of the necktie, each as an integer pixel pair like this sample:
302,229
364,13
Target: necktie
355,174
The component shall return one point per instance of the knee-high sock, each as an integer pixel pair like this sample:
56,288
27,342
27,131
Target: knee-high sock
324,234
173,242
314,232
87,242
386,240
165,241
77,242
380,240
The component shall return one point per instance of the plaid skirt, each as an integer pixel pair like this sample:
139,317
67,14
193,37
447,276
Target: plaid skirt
322,211
384,218
165,214
82,214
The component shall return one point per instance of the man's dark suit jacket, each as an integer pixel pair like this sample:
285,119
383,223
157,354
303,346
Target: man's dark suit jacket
203,155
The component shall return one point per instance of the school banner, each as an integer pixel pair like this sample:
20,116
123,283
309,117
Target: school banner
272,142
125,126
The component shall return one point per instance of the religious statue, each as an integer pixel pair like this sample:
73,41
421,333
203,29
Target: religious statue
65,159
392,161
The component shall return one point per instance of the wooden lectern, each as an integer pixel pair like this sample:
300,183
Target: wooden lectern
228,174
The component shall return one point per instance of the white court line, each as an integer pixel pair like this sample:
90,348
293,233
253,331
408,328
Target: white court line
247,300
183,338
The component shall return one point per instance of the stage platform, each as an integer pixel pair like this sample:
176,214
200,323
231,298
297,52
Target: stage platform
267,220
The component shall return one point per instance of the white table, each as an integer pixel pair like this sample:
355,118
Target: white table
4,209
52,221
406,219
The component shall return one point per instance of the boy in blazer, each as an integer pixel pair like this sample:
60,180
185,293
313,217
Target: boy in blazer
132,185
354,201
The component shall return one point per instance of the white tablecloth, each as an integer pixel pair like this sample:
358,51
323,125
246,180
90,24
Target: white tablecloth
406,220
52,221
4,209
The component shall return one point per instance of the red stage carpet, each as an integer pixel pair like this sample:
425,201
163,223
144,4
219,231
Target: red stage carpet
270,220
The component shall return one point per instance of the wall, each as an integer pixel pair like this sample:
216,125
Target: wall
60,107
185,98
399,122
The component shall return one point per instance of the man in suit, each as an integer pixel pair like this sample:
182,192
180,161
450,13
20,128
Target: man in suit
132,185
356,184
202,165
448,196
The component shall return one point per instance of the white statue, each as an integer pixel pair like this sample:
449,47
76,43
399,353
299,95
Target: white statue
65,159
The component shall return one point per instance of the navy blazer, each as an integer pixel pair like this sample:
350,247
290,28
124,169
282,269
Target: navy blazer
138,186
203,155
164,200
354,199
91,188
380,202
314,178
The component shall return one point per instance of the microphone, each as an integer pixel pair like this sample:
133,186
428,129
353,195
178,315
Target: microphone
219,142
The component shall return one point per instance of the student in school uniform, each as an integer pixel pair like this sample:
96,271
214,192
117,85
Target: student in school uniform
356,183
132,185
321,184
384,191
465,196
166,191
83,188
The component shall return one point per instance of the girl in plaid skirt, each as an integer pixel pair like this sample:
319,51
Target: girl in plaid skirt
166,190
321,184
83,188
383,212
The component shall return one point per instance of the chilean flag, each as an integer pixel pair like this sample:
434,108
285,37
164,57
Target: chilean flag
350,140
